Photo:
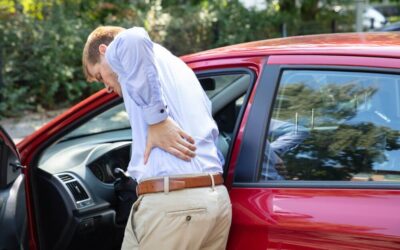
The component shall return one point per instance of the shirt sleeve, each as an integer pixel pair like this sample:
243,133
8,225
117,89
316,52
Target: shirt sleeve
133,51
288,136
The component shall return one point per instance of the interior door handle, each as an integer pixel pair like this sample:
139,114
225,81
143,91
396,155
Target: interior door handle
2,202
17,166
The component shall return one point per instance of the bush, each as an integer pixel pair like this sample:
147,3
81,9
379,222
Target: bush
42,62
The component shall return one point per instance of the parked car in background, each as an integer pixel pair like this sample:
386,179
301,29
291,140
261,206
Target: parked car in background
339,188
391,27
373,19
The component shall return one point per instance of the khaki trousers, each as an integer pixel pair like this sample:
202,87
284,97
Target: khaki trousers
196,218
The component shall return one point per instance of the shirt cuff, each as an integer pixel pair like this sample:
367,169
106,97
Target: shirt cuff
155,113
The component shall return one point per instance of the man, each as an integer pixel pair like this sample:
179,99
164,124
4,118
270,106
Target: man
286,136
182,203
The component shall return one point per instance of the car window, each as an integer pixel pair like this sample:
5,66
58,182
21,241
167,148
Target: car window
222,81
332,125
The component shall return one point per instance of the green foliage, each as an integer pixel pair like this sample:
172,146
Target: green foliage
41,40
42,62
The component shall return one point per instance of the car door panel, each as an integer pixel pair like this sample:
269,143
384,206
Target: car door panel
314,218
13,215
304,214
12,197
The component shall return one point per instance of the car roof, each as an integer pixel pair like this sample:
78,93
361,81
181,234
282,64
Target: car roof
379,44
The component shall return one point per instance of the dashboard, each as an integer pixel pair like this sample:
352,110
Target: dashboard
78,177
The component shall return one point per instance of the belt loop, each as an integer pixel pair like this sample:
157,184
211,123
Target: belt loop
166,184
212,181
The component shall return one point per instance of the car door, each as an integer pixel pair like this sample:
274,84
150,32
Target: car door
12,196
337,186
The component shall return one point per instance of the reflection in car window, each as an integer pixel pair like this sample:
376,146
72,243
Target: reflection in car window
331,125
115,118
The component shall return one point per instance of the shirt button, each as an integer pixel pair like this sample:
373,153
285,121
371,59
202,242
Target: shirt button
162,111
188,218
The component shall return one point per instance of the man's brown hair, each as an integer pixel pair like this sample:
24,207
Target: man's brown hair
91,55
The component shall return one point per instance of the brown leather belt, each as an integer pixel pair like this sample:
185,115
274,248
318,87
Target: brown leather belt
177,183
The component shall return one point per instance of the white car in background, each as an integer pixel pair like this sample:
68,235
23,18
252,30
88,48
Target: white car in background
373,19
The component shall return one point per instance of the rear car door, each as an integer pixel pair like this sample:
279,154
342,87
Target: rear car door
12,196
318,164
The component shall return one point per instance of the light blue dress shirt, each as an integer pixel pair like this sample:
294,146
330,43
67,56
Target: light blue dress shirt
156,84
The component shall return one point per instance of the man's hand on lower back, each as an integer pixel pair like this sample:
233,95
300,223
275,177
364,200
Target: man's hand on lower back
168,136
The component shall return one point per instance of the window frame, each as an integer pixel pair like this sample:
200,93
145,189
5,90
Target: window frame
255,133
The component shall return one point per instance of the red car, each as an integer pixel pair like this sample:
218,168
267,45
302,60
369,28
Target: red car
309,128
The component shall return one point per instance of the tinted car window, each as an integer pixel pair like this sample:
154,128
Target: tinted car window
331,125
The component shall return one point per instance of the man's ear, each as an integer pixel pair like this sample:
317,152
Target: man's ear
102,49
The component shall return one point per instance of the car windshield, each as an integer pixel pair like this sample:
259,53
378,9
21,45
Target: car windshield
113,119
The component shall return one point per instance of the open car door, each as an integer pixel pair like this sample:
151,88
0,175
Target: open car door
13,223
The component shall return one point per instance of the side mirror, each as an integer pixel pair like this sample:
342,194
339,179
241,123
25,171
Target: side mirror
207,83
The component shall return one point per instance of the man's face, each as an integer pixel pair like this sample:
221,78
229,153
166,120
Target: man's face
102,72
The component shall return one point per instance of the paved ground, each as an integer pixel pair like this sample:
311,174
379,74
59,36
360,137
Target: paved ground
20,127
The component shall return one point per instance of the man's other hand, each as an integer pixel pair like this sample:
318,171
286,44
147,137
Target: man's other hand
168,136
